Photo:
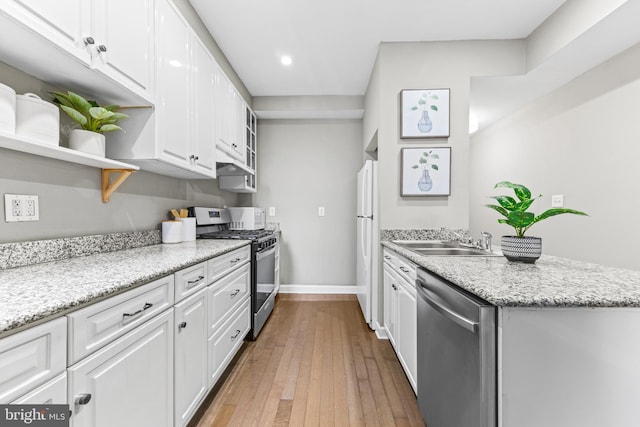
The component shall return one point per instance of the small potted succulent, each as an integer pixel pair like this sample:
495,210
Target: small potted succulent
94,120
522,248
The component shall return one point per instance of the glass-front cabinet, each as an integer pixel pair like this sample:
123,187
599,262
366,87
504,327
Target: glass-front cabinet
237,180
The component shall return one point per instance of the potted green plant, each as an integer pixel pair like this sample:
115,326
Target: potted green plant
522,248
93,119
425,183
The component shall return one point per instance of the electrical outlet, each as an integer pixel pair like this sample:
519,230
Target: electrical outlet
321,211
557,201
20,207
272,211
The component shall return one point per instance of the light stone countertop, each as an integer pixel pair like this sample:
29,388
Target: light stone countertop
550,282
35,293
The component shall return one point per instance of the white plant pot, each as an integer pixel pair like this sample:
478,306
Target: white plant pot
87,142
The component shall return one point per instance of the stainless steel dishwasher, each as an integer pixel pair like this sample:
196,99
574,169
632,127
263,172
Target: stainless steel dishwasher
456,355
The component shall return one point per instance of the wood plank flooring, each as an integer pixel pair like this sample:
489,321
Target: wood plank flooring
316,363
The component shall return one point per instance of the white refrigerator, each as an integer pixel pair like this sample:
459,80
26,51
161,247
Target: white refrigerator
367,242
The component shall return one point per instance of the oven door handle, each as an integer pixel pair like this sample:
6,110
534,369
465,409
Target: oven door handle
265,253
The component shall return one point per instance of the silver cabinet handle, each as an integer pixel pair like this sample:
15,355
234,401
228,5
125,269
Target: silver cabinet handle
387,257
88,41
196,158
102,48
234,293
82,399
406,270
182,325
146,306
233,337
193,282
233,261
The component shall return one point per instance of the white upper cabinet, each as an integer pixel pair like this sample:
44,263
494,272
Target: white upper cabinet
123,37
204,138
114,37
230,114
173,71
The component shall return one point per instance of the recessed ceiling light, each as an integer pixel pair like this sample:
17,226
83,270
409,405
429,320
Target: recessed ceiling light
286,60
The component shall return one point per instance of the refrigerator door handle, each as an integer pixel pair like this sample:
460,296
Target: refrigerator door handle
367,217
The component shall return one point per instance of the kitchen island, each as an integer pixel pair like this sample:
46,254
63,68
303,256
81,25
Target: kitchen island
567,336
40,292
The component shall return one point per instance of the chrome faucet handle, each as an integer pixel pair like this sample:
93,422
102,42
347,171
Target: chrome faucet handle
486,240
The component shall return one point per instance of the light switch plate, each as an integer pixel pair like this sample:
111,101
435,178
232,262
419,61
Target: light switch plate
321,211
272,211
557,201
21,207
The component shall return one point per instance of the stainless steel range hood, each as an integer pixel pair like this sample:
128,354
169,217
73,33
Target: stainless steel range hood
227,165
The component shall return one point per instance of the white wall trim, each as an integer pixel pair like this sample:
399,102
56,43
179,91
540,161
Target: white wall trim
381,332
318,289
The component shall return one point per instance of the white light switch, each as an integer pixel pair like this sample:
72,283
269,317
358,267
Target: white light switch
557,201
321,211
272,211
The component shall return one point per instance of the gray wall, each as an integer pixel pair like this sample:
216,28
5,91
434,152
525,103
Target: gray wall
580,141
304,164
423,66
70,196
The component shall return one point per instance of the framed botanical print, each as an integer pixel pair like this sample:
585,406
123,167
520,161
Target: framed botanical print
426,171
424,113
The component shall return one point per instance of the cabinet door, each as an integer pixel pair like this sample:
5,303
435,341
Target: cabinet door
390,303
60,21
224,110
129,382
190,356
125,29
172,94
239,127
407,336
203,111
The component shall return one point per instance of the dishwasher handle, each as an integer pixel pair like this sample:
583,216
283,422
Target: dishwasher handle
469,325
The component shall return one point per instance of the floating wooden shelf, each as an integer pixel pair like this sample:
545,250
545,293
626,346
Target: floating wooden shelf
108,166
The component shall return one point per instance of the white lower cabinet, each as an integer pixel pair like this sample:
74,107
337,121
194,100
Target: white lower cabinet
128,382
190,355
401,311
32,357
53,392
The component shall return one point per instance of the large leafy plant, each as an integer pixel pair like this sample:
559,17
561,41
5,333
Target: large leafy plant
515,211
89,114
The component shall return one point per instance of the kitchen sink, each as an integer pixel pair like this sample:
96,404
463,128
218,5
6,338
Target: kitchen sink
441,248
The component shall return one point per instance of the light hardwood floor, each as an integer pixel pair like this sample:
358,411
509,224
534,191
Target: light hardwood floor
316,363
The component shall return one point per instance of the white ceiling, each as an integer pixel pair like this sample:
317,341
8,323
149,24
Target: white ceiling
334,43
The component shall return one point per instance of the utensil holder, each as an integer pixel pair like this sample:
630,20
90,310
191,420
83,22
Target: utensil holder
172,231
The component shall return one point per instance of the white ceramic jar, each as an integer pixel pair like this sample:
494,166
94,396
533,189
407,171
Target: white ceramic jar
7,109
37,120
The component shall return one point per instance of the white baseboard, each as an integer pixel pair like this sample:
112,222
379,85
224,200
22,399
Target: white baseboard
381,331
318,289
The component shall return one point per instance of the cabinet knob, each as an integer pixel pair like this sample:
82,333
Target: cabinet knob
82,399
102,48
182,325
89,41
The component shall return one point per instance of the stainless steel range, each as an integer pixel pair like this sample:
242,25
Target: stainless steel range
213,223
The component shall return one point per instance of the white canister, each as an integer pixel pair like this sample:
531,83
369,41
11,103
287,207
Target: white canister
37,120
172,231
7,109
188,229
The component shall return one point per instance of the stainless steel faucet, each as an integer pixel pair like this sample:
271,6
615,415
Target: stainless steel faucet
486,240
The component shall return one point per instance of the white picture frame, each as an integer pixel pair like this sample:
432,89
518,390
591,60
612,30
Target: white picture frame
424,113
426,171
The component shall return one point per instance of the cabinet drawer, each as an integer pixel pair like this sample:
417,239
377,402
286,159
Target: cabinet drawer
224,344
407,270
95,326
53,392
227,293
223,264
190,280
31,358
